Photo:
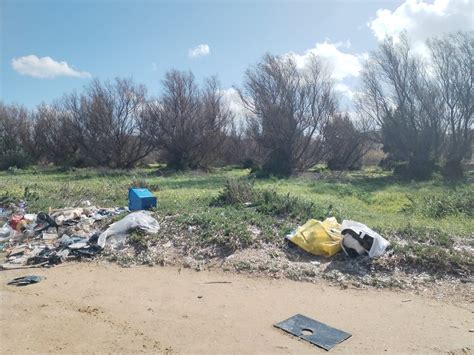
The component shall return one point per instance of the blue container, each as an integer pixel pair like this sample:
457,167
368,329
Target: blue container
140,199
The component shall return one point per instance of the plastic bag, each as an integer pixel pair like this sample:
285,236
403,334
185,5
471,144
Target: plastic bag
140,219
5,233
319,238
379,244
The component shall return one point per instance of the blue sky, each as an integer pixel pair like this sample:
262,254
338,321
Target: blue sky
143,39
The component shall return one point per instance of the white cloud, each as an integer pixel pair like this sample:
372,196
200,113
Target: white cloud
344,90
341,64
199,51
45,67
232,98
422,20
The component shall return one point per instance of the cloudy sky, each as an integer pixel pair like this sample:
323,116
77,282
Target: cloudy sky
51,47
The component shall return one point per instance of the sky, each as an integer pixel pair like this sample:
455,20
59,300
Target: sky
51,47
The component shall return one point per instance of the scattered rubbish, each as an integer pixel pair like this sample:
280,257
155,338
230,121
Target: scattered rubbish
78,245
141,220
44,239
199,297
329,237
318,238
5,232
140,199
316,333
360,239
25,280
50,236
14,220
20,249
406,301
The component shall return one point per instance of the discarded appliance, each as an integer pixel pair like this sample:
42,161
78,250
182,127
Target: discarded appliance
311,330
140,199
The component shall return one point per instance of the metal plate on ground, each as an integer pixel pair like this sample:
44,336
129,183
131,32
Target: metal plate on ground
311,330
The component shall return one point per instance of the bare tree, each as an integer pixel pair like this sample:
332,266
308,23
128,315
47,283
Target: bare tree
187,123
400,100
108,122
290,110
453,63
55,136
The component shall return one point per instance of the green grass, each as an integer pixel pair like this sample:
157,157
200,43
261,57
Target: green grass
423,220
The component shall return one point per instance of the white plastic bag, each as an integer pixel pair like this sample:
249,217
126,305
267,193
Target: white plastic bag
5,233
139,219
379,245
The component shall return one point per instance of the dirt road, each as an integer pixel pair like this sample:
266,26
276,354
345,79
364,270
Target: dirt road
102,308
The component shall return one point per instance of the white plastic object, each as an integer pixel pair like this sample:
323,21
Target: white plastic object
379,245
5,233
140,219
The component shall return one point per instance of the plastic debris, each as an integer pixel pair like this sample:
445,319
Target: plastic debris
44,239
315,332
141,220
318,238
25,280
329,237
140,199
360,239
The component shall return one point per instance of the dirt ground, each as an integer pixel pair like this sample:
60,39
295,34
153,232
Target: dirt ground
103,308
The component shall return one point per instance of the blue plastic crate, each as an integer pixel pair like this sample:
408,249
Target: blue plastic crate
140,199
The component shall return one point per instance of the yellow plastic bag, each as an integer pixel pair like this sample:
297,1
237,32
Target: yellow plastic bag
319,238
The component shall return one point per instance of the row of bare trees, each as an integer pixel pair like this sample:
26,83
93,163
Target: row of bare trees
115,124
418,106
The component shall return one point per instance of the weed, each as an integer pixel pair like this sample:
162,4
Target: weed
236,191
441,205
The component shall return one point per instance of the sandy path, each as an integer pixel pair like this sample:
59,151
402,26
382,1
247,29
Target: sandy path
102,308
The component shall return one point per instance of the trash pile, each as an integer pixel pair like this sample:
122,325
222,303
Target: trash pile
328,237
45,239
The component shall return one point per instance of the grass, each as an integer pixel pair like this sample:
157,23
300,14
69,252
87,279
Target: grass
423,220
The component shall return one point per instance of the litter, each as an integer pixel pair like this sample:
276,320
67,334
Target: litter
329,237
311,330
318,238
140,199
360,239
5,232
25,280
78,245
141,220
50,236
44,239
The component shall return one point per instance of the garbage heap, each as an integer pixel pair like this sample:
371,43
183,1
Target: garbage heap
44,239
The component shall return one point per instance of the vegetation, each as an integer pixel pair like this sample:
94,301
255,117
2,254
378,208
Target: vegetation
424,107
227,210
420,109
